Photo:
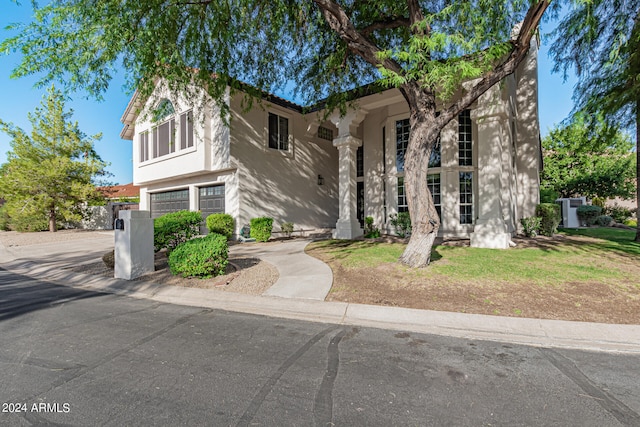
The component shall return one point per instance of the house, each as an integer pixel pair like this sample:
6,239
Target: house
276,161
121,193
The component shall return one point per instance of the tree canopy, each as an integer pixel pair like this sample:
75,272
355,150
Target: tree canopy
600,40
426,48
579,161
49,173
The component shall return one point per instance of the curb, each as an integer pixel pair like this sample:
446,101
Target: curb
532,332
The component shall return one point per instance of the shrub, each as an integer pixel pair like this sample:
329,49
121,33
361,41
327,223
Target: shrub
109,259
401,223
598,201
4,219
618,213
172,229
200,257
588,213
548,195
221,223
631,222
549,214
531,225
603,220
287,228
370,230
261,228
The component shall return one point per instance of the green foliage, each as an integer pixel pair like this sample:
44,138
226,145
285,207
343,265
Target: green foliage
50,173
531,225
550,218
287,228
4,219
588,213
603,221
548,195
401,223
631,222
200,257
599,201
618,213
370,230
261,228
221,223
588,160
172,229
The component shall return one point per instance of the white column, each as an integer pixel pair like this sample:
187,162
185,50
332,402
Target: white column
490,230
347,226
133,245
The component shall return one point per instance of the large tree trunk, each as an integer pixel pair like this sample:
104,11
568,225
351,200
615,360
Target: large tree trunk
52,220
424,217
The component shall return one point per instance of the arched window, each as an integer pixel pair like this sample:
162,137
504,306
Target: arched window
163,110
170,132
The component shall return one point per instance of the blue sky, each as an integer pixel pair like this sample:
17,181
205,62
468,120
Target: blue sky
19,97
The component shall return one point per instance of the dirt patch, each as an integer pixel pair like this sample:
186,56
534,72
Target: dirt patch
391,284
244,275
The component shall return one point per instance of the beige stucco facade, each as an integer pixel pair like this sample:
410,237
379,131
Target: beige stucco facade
316,180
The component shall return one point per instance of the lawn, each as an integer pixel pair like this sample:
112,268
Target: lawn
588,275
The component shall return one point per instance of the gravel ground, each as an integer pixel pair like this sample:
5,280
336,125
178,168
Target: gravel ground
244,275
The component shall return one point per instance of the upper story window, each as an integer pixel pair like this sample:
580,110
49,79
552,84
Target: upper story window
360,161
170,132
465,144
278,132
402,141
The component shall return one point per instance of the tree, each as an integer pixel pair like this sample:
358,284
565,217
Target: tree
600,39
591,162
48,175
426,49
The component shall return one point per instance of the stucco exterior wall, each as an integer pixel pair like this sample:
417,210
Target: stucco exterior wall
283,184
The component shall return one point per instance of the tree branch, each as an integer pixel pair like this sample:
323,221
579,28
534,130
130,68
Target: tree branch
520,49
386,24
339,22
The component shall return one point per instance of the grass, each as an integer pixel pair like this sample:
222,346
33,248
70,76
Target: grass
599,258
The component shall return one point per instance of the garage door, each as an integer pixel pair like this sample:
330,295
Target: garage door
169,201
211,201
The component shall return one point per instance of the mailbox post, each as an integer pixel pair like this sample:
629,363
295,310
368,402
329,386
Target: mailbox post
133,245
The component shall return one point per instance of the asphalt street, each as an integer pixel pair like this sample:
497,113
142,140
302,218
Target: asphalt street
77,357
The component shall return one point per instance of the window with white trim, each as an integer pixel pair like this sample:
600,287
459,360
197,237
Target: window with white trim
465,140
278,132
170,132
466,197
402,197
186,130
402,140
144,146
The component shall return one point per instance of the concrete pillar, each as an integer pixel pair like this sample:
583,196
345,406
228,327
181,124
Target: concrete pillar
134,245
347,226
490,230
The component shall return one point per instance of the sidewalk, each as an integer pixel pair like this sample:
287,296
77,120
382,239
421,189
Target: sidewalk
294,297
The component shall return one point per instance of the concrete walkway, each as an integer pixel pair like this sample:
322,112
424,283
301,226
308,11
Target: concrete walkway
301,276
51,262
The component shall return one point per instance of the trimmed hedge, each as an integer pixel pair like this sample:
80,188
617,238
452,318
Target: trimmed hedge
221,223
261,228
549,214
588,213
604,220
172,229
200,257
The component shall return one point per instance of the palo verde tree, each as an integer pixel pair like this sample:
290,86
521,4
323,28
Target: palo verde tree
48,174
425,48
588,159
600,40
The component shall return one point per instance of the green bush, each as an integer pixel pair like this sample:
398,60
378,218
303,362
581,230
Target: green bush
370,230
4,219
261,228
548,195
287,228
603,220
221,223
172,229
618,213
631,222
200,257
401,223
531,225
549,214
588,213
598,201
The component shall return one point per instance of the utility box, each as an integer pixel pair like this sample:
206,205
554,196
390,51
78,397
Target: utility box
569,211
133,245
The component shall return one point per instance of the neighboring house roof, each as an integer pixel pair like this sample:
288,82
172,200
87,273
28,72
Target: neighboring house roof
120,191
